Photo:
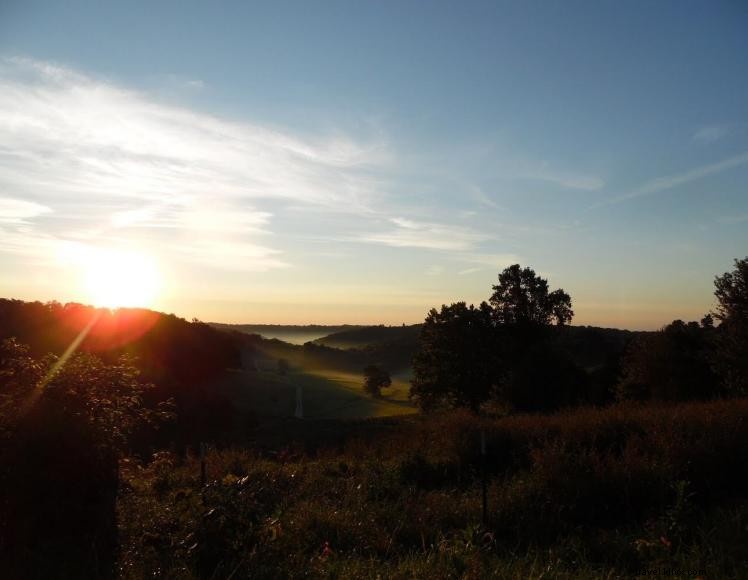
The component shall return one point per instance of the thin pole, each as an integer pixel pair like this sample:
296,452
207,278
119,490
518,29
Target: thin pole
203,474
484,483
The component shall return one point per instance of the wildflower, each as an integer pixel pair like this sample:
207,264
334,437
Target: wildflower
326,551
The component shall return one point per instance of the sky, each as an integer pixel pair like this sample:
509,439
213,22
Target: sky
362,162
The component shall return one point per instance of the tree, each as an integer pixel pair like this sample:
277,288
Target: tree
670,365
63,423
283,367
469,354
455,364
538,376
730,357
376,379
522,298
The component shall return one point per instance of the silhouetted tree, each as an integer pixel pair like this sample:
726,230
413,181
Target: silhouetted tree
670,365
283,366
376,379
469,354
539,376
455,363
64,423
730,356
522,298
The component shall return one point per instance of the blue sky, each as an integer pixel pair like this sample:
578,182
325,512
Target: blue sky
362,162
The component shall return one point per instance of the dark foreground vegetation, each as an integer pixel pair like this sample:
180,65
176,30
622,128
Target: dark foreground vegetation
105,471
583,494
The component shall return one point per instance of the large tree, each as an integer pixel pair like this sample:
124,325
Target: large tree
731,349
468,354
522,298
539,376
455,364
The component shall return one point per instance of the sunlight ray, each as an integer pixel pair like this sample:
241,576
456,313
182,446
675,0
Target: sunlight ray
57,366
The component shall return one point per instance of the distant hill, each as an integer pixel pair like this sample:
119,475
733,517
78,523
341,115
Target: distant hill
287,333
169,349
368,336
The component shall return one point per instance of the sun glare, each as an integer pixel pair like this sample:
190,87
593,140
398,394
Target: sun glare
121,279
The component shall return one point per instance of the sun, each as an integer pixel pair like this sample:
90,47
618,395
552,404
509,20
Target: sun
116,278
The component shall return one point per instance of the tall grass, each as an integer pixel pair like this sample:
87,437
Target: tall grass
585,493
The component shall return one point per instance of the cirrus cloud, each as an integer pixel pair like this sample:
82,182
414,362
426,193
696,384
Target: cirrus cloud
100,161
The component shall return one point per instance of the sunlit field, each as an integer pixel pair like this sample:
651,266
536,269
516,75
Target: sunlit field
327,394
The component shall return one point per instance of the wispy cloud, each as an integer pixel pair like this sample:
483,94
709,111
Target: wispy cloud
483,198
709,134
568,180
89,155
467,271
487,260
433,236
18,211
668,182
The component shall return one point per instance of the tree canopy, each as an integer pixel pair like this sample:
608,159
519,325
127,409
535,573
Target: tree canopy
731,353
455,362
469,354
375,379
522,297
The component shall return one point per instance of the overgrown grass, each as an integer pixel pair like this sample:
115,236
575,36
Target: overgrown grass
582,494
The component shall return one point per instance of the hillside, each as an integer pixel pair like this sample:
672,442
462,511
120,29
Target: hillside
212,366
369,336
331,379
287,333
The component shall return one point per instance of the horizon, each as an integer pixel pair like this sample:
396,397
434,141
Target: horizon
313,324
334,165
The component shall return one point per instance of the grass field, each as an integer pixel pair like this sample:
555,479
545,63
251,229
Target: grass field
585,494
327,394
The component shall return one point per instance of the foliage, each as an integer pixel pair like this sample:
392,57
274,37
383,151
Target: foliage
456,362
375,379
580,494
522,297
731,352
670,365
540,377
166,349
468,355
181,358
65,420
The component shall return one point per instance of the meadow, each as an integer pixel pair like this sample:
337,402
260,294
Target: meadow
327,393
589,493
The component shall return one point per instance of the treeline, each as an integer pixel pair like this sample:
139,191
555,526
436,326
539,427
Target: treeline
516,350
167,348
180,358
598,351
392,355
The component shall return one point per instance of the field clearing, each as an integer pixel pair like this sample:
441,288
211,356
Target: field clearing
327,394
